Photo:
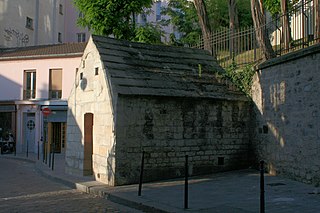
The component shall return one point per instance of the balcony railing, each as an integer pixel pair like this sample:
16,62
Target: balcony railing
55,94
29,94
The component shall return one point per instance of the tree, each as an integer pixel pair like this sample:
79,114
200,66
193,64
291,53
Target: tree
317,17
233,25
259,22
204,24
111,17
149,34
286,30
183,17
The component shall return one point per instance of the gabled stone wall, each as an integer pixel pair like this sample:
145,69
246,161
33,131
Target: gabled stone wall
287,109
213,133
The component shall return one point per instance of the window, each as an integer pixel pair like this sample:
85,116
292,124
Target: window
143,18
29,85
59,37
96,71
81,75
158,10
61,9
81,37
55,84
29,23
81,15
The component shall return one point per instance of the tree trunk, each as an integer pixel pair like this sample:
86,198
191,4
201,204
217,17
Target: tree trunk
204,24
317,20
286,32
233,25
260,29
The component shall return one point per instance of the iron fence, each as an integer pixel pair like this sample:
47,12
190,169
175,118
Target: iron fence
241,47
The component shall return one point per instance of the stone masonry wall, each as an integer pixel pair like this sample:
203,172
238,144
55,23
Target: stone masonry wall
287,110
213,133
91,97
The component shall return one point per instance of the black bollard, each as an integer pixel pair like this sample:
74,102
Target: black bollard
54,147
141,174
27,148
186,188
38,151
262,201
50,150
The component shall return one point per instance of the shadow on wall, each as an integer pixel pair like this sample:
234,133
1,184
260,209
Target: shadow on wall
287,120
9,89
84,156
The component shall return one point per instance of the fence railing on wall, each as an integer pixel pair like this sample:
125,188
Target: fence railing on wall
241,47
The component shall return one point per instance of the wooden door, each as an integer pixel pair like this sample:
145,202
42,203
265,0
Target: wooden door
88,144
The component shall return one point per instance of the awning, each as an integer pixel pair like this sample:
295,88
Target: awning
7,108
58,113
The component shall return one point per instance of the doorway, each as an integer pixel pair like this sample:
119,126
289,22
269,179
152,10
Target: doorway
88,144
29,132
57,136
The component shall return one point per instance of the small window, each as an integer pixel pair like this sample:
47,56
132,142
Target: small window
60,37
81,37
61,9
96,71
81,76
81,15
29,23
158,10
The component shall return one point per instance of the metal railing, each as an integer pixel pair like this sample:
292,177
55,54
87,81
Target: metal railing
241,47
29,94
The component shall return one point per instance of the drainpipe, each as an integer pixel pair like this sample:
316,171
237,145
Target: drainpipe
36,24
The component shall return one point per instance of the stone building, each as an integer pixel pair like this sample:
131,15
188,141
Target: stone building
167,101
286,97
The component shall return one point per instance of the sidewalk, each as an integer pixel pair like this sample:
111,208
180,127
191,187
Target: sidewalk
234,192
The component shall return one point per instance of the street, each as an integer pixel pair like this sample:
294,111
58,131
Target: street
22,189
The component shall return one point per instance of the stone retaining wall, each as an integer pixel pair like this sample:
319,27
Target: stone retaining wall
287,106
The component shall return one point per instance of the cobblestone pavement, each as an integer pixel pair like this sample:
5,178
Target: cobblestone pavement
22,189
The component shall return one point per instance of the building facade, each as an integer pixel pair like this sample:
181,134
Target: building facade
37,22
34,80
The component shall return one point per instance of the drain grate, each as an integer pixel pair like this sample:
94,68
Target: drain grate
276,184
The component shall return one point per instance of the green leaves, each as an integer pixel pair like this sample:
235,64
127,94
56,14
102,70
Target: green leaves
111,17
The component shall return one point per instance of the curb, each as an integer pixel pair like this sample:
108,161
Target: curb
98,189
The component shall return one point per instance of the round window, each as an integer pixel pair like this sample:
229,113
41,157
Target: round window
30,124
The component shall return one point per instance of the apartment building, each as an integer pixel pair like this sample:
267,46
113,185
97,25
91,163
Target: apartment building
39,22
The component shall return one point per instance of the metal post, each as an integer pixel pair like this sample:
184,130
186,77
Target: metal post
50,150
38,151
141,174
27,148
186,189
262,203
54,148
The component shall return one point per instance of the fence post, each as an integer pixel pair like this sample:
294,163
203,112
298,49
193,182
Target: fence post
141,174
262,201
186,189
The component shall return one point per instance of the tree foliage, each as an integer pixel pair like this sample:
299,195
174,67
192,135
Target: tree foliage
183,16
110,17
150,34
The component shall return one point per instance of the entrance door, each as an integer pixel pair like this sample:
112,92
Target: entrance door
55,136
88,144
29,132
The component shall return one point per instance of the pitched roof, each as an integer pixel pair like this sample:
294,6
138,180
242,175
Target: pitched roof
42,51
159,70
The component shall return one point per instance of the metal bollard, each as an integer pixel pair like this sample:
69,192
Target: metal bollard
27,148
186,188
141,174
262,200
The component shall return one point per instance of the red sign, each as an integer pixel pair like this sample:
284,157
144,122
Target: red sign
46,111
